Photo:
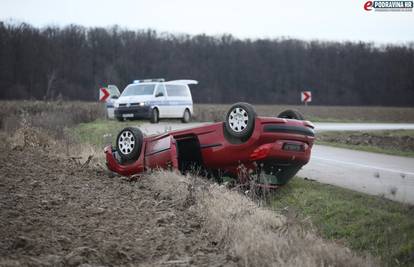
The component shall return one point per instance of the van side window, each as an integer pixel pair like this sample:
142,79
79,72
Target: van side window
177,90
160,90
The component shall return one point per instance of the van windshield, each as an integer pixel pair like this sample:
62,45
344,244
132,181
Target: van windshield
138,89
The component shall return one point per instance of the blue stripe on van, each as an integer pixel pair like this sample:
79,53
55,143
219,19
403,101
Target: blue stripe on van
170,103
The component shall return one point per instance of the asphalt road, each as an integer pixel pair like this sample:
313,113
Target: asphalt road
371,173
328,126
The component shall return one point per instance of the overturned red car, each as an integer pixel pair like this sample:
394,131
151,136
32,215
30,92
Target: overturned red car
246,147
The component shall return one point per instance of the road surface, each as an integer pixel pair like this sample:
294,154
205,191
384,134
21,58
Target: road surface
328,126
372,173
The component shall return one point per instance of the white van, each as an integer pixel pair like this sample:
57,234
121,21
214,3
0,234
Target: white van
155,99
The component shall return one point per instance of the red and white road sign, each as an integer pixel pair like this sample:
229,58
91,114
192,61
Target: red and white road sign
103,94
306,96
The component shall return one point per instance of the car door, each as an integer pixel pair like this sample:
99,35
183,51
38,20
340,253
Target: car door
160,100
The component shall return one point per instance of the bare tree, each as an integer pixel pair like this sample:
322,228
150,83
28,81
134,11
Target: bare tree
51,78
75,61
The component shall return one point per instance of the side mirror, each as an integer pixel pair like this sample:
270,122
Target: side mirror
159,94
114,97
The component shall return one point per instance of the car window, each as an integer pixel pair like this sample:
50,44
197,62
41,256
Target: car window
138,89
177,90
160,89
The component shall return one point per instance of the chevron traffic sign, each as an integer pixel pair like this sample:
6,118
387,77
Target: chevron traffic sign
103,94
306,96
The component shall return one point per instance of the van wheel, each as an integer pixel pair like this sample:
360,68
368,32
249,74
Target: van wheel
291,114
240,119
119,119
154,116
186,117
129,143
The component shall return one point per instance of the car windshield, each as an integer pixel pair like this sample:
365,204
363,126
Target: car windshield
138,89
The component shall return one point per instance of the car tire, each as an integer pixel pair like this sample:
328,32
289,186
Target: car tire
129,143
186,117
239,121
291,114
155,116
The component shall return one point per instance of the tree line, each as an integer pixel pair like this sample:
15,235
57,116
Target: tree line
72,62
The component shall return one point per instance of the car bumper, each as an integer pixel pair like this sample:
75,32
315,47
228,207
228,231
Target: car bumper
133,112
126,169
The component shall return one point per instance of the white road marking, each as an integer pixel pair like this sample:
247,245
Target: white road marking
329,126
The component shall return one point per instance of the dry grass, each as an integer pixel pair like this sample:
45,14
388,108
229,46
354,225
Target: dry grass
46,125
393,142
255,235
48,115
50,138
216,112
73,112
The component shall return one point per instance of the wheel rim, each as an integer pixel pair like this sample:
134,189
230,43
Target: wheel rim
126,142
186,115
238,119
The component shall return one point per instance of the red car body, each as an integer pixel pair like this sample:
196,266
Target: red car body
273,142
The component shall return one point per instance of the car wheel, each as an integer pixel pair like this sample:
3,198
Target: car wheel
291,114
186,117
154,116
240,119
129,143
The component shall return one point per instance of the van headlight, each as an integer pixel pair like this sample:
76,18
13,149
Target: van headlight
142,104
116,104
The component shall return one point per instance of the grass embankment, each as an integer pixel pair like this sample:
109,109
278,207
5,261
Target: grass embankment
361,222
101,132
395,142
364,223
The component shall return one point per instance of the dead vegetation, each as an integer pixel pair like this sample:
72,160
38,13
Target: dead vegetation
69,113
254,235
66,209
395,142
60,207
53,116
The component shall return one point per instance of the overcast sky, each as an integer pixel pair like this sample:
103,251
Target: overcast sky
339,20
